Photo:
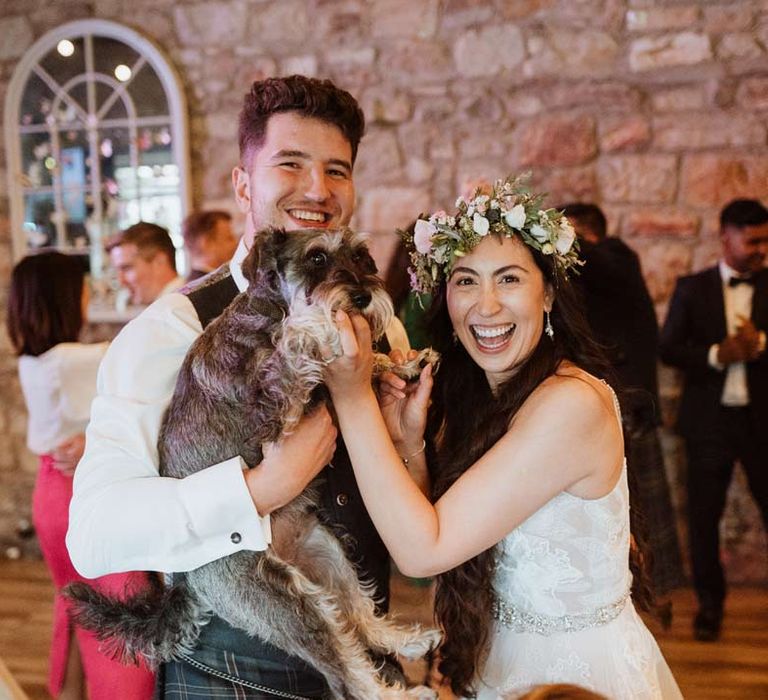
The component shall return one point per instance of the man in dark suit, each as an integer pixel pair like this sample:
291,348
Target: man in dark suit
715,334
622,317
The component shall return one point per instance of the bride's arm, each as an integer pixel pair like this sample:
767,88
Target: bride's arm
563,435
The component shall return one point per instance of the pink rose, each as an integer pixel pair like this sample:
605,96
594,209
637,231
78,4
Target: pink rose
422,236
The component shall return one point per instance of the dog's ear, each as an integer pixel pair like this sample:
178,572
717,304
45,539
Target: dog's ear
262,257
251,263
271,241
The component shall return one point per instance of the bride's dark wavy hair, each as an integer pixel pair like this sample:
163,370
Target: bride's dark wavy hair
458,438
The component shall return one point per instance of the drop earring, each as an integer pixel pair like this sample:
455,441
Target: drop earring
548,327
455,338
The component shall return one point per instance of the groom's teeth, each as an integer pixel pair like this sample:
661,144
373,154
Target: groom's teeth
308,215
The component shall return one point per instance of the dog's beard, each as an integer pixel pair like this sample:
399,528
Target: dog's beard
310,328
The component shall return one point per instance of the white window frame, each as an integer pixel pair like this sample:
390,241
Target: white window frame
149,53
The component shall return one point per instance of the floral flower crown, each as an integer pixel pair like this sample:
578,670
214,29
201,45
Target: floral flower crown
509,210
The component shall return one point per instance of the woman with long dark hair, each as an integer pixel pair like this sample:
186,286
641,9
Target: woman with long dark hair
46,311
530,526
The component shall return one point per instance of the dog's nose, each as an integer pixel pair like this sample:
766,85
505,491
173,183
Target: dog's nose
360,299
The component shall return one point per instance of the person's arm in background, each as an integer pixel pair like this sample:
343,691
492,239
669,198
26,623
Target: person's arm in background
677,345
123,516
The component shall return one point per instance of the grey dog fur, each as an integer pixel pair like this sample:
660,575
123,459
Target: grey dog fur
247,380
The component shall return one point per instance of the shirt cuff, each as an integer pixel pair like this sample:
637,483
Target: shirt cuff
712,358
219,507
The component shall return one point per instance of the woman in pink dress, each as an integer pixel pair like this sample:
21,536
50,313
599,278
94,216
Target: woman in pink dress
46,311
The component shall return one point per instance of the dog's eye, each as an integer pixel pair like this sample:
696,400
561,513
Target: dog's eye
318,258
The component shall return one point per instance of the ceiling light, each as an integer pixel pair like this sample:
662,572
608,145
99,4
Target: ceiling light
65,47
122,73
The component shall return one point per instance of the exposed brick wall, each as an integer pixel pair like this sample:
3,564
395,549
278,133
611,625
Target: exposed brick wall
656,110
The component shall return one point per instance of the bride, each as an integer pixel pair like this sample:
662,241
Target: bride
530,528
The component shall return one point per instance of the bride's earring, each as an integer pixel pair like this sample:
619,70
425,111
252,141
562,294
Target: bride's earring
455,338
548,327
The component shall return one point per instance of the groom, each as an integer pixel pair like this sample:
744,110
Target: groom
298,142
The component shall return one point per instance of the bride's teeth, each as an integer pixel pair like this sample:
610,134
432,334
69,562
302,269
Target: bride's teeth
492,332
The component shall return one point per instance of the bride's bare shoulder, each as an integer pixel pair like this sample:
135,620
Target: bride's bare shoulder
574,393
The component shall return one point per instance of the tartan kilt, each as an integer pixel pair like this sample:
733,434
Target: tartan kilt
646,462
179,680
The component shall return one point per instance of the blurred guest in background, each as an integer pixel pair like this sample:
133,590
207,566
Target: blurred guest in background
409,306
715,333
46,311
621,314
145,260
209,240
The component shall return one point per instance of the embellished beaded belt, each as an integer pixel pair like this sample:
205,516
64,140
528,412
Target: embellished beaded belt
546,625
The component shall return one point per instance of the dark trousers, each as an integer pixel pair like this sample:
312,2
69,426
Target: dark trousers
710,468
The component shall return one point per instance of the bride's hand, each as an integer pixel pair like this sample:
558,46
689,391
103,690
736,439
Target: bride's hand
404,405
351,372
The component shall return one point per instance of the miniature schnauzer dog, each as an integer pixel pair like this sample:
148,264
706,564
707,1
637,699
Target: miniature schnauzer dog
247,380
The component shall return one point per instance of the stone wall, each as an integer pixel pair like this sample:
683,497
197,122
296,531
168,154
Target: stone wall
656,110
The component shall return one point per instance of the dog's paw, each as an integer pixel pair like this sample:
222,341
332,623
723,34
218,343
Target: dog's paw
408,370
418,692
420,643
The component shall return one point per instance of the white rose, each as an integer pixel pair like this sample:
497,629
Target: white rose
480,225
540,233
515,217
547,249
565,237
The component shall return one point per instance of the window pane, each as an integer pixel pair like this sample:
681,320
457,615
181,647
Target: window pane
162,209
155,146
64,68
148,93
35,103
75,159
38,222
109,53
117,109
37,161
117,173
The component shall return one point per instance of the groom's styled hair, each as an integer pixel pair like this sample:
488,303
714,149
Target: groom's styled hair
309,97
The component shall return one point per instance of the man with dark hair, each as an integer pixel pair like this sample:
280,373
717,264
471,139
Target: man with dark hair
145,260
209,240
621,314
298,139
715,333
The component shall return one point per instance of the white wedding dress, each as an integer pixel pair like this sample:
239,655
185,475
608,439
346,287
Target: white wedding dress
563,612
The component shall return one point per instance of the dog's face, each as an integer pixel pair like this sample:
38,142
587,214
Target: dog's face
327,269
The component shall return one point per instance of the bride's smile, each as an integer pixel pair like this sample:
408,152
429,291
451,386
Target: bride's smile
496,298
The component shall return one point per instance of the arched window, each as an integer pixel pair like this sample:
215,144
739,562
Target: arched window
95,125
